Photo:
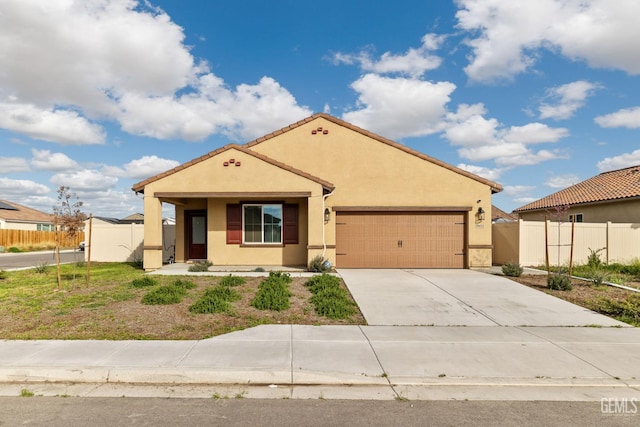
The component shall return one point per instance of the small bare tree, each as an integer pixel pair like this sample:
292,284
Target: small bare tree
68,220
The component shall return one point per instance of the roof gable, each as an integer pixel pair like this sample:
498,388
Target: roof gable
139,187
495,187
620,184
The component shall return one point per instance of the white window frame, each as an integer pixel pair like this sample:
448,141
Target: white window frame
262,206
576,215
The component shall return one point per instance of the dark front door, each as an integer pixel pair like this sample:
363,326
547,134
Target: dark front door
196,234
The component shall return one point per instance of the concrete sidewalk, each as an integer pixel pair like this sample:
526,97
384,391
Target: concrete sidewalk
363,362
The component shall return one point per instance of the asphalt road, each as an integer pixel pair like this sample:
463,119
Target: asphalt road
31,259
98,412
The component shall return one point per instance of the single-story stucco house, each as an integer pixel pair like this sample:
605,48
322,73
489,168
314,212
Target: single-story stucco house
608,197
14,216
321,186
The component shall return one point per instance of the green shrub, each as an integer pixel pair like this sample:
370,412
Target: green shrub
512,270
14,250
597,275
232,281
185,284
333,303
273,293
3,274
163,295
319,264
143,282
321,282
593,260
559,282
41,267
259,269
625,311
330,300
280,275
215,300
200,266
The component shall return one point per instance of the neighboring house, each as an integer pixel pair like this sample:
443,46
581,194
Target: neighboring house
609,197
18,217
321,187
498,215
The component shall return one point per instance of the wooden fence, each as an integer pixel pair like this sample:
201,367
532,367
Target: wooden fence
31,238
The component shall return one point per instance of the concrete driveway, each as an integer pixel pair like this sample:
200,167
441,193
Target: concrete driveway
459,298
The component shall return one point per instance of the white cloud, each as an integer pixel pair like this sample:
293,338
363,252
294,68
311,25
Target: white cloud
13,164
66,65
484,139
562,181
62,126
524,200
567,99
414,63
508,34
246,113
627,117
141,168
45,160
400,107
619,162
488,173
84,180
20,187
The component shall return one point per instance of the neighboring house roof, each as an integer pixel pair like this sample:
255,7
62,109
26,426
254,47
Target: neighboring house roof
134,217
619,184
498,215
139,187
107,219
10,211
246,148
495,187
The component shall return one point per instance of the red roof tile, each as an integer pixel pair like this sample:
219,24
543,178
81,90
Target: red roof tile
608,186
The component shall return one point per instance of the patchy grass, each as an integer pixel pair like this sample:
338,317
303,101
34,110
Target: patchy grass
31,307
617,303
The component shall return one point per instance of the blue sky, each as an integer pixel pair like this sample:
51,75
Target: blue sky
100,94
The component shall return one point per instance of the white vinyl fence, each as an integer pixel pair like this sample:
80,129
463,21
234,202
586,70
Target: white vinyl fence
123,242
523,242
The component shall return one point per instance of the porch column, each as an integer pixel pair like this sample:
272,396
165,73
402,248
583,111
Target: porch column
152,233
315,224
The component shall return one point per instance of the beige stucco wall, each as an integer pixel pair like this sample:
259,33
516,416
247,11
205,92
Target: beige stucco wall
365,172
624,212
369,173
253,176
13,225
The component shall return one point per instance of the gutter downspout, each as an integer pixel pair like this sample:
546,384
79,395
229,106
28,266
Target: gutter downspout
324,242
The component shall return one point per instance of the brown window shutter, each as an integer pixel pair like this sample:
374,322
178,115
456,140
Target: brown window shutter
290,221
234,224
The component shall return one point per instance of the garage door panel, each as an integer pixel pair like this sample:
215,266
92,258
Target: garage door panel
400,240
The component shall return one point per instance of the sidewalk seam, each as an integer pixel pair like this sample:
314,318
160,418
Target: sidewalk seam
384,372
572,354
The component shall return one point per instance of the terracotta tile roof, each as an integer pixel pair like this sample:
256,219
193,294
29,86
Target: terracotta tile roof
495,187
139,187
608,186
22,213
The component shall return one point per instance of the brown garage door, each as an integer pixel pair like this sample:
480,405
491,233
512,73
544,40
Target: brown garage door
400,240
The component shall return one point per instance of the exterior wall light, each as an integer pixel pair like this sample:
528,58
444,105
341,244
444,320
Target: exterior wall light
327,215
480,214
